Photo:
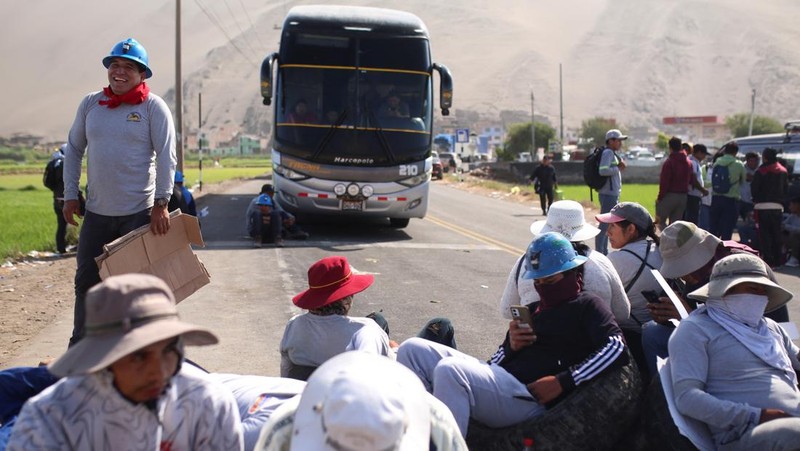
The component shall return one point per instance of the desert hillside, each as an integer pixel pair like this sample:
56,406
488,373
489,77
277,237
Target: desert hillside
636,60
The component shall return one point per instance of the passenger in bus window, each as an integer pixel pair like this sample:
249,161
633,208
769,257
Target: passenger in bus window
393,106
301,114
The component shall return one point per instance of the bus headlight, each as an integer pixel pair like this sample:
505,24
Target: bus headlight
339,189
353,190
288,173
367,190
414,181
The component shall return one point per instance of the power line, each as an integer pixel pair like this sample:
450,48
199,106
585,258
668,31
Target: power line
216,22
252,26
241,31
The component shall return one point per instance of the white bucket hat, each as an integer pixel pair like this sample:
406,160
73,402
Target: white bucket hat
740,268
567,218
685,248
362,402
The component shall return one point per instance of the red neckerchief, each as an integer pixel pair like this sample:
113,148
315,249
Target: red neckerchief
135,96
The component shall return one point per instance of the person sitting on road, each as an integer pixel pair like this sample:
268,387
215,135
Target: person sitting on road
191,206
17,385
126,371
326,329
599,276
289,223
270,230
734,370
629,227
361,401
688,255
573,340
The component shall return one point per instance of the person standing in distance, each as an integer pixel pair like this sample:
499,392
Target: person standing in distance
544,176
128,136
611,166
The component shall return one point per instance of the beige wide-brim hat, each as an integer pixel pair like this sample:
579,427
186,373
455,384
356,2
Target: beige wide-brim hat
126,313
567,218
685,248
362,402
737,269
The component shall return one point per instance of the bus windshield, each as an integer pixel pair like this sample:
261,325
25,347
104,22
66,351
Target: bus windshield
361,110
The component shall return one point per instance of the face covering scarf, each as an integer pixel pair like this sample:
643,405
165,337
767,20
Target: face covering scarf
742,316
135,96
553,295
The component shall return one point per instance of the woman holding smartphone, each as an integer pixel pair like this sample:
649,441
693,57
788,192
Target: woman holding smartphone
631,231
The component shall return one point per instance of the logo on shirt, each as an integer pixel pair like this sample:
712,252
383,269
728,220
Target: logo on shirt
257,403
134,117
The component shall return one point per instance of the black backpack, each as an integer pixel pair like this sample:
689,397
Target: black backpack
53,173
591,170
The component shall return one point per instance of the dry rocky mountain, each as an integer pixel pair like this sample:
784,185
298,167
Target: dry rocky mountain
634,60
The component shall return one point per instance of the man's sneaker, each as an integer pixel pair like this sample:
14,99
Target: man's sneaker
279,242
257,244
793,262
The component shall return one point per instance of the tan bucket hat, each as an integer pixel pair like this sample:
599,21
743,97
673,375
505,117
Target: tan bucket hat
126,313
740,268
685,248
567,218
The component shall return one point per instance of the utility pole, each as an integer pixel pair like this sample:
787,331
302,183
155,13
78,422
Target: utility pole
561,107
534,156
200,138
752,112
178,86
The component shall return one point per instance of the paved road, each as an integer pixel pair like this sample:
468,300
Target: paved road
453,263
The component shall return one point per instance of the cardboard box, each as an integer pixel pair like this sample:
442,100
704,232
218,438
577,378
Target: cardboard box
169,256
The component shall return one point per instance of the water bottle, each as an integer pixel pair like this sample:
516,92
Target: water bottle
527,444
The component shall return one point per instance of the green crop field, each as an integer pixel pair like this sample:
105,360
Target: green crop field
644,194
27,219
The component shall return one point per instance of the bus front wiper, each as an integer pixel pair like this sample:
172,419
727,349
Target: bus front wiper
329,134
381,135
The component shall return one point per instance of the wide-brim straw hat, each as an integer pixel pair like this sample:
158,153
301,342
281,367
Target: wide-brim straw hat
685,248
126,313
330,280
567,218
737,269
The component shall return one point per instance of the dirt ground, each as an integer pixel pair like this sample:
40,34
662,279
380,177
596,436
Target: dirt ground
38,289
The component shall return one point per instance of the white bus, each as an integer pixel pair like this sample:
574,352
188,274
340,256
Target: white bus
353,104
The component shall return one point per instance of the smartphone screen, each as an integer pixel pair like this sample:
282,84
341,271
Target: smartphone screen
651,296
523,314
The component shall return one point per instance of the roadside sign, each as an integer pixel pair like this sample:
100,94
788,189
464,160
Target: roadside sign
462,135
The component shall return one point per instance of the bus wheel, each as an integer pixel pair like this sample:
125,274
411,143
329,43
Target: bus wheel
399,223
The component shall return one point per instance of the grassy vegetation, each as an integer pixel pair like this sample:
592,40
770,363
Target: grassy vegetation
27,219
644,194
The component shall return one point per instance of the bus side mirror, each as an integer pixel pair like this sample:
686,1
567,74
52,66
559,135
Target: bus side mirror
267,67
445,88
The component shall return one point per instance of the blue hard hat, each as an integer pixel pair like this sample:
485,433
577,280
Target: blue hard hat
550,253
132,50
178,177
264,200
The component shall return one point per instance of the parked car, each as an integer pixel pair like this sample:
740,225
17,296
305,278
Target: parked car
437,171
788,146
446,157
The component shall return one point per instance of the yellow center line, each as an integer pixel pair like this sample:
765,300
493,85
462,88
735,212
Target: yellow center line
476,236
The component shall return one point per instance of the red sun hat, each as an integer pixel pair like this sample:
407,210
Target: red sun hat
330,280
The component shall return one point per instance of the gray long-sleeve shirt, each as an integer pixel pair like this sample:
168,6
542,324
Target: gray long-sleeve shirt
130,154
720,382
609,166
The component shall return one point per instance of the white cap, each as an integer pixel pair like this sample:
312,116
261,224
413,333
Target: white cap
615,134
362,402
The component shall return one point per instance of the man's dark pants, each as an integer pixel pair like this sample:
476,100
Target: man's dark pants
724,211
96,231
61,230
692,212
769,235
546,198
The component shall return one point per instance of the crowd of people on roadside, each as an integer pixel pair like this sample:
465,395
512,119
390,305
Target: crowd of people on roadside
708,305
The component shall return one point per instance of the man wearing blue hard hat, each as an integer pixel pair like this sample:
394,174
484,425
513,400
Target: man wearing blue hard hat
569,338
128,137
